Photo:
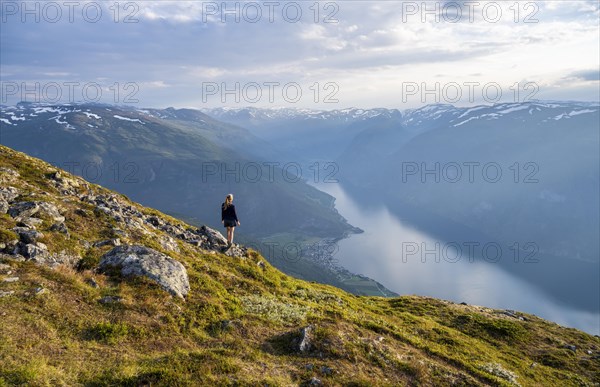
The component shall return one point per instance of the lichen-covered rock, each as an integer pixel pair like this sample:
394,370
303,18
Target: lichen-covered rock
28,222
23,209
3,206
135,260
37,251
51,211
27,235
60,227
168,243
108,242
214,237
8,175
9,193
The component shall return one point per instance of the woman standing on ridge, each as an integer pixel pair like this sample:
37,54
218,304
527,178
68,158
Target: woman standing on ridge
229,218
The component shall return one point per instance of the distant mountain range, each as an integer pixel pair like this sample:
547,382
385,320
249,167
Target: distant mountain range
306,135
546,153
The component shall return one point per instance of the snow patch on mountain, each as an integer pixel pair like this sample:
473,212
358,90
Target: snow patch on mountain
92,115
514,109
127,119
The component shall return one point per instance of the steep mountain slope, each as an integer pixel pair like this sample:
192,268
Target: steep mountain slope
70,318
184,163
171,154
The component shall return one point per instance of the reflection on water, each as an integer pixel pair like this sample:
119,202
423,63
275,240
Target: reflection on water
392,253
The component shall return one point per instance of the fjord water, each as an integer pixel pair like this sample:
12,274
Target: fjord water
391,251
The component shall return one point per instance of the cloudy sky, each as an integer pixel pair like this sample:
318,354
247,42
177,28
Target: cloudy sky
330,54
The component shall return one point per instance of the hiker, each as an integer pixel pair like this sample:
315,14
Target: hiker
229,218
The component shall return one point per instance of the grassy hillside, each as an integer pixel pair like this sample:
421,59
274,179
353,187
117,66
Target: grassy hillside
243,322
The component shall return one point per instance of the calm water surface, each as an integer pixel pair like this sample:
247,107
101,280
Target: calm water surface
390,251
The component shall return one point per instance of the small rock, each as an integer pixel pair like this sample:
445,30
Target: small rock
110,300
309,366
571,347
92,282
168,243
23,209
463,303
4,268
51,211
304,343
13,257
35,251
511,313
261,264
60,227
120,232
3,206
314,382
108,242
8,194
533,365
28,222
155,221
6,294
589,352
81,212
326,370
27,235
10,279
39,290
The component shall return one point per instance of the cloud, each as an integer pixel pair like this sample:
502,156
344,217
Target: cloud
172,47
585,75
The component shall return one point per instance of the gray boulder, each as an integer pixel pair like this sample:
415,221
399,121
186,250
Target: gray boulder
305,341
23,209
51,210
135,260
60,227
29,222
8,175
108,242
3,206
168,243
28,209
9,193
27,235
214,237
37,252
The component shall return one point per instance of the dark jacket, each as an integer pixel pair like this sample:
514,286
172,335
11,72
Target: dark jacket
228,213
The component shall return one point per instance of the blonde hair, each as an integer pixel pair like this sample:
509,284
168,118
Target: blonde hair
228,200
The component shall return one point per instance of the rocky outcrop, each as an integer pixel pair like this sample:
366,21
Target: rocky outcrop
31,216
27,216
129,216
23,210
134,260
